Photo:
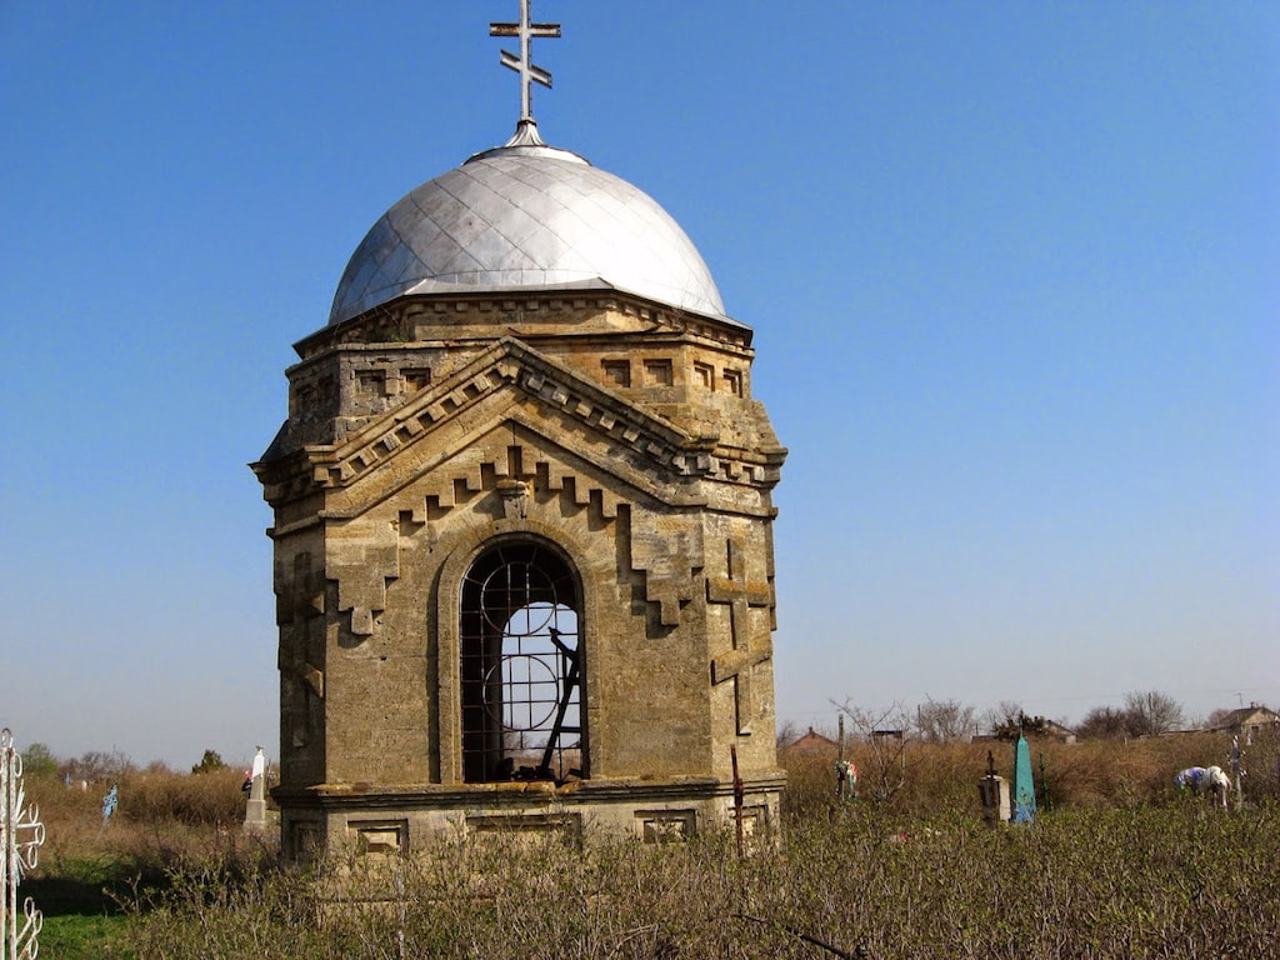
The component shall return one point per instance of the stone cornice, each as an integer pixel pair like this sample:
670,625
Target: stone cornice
591,338
511,362
391,323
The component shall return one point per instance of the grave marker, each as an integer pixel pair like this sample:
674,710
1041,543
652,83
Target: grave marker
21,836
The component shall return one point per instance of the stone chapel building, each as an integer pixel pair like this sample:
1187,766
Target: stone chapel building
523,525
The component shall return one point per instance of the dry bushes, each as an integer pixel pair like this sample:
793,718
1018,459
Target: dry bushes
203,799
162,818
1262,761
1113,871
1101,772
1146,882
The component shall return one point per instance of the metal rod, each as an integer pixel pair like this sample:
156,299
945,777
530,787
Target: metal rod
11,847
807,938
1044,784
570,681
737,798
6,841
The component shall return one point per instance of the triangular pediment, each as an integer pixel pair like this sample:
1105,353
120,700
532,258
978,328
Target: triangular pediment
512,437
513,383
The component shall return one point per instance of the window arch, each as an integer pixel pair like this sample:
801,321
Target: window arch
521,666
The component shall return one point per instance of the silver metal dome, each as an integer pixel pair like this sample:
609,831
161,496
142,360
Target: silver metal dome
525,217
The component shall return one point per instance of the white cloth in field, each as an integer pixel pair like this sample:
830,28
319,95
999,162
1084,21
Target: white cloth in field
1202,779
1216,777
1190,777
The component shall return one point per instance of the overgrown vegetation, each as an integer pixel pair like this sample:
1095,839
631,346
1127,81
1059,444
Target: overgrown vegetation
928,778
89,868
1138,882
1119,867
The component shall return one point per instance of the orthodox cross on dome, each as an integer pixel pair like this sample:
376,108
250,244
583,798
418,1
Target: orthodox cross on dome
523,65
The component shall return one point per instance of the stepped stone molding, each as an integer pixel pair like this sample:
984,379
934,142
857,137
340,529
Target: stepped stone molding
300,588
369,561
668,560
370,554
511,362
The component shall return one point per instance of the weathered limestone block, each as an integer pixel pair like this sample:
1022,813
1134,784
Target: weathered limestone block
362,557
667,549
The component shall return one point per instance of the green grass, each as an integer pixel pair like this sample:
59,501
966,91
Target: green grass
76,937
82,899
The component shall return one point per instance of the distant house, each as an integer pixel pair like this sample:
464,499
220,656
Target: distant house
1248,721
1053,730
889,734
813,742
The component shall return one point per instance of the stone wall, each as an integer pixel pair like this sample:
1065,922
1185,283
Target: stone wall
625,436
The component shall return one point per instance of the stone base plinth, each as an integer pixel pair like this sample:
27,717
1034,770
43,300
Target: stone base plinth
339,818
255,817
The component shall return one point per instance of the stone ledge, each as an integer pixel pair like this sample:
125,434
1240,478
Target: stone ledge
517,794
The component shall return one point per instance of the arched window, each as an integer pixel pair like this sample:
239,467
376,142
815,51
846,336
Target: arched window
521,666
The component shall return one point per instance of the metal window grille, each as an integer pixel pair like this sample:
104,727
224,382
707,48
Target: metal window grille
521,667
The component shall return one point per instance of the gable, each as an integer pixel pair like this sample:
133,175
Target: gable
512,436
512,470
509,385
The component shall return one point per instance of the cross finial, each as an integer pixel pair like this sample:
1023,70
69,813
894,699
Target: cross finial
527,128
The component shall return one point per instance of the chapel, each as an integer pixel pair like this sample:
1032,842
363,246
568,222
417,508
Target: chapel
523,523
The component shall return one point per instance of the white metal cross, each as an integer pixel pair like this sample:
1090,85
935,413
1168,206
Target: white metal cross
21,836
523,64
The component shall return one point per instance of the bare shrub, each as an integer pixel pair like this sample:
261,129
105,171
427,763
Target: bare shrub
1092,773
865,881
162,819
788,733
1103,722
98,766
857,875
1005,716
882,736
941,721
208,798
1150,712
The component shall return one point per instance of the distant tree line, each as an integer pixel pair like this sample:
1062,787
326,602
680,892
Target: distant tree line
1143,713
97,766
93,766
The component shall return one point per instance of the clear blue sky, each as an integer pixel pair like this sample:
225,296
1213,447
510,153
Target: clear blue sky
1014,270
